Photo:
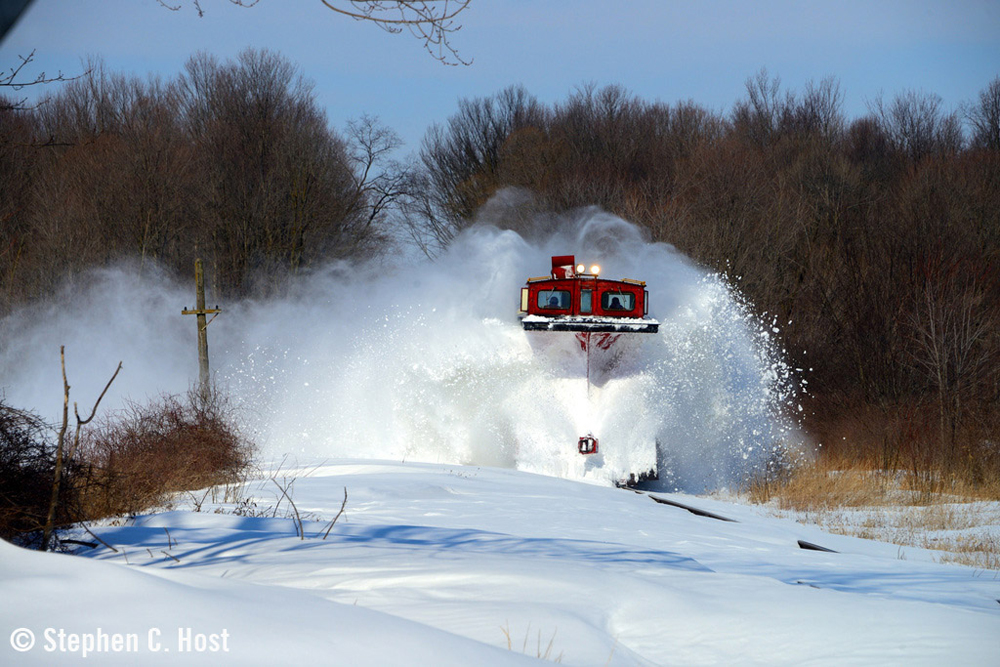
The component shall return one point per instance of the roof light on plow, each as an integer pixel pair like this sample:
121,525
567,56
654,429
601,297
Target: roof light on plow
595,269
580,268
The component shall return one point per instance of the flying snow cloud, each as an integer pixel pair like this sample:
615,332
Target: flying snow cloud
426,361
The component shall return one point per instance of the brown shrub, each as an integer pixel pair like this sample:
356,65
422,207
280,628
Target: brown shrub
138,456
27,465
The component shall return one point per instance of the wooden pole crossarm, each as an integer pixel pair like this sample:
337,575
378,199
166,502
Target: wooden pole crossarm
200,311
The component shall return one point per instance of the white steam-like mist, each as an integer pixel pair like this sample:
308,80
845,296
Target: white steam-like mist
427,362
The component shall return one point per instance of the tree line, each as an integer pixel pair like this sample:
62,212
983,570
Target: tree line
872,241
232,161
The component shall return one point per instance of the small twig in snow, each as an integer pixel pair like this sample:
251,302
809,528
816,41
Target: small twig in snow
298,519
342,506
91,533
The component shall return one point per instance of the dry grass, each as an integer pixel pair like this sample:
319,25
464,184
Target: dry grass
906,437
933,509
540,653
884,472
821,487
982,551
831,482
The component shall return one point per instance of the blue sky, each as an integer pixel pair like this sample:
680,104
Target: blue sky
658,49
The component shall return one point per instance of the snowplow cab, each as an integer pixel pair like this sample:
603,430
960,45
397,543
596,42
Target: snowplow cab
572,298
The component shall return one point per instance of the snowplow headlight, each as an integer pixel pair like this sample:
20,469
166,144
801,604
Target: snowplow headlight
595,269
580,268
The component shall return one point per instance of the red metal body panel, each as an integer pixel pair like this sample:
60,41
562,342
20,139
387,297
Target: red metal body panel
605,295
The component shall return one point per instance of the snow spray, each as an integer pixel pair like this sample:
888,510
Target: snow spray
427,361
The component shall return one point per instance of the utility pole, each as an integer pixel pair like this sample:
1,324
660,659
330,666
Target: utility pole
201,312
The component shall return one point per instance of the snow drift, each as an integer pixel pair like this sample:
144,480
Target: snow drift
447,565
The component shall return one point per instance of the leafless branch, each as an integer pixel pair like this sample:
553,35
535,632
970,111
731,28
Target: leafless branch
12,78
83,422
379,183
342,506
201,12
92,534
430,21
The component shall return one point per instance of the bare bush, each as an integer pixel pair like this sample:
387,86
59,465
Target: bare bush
27,464
136,457
128,463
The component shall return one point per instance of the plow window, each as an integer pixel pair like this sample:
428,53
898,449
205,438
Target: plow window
617,301
553,299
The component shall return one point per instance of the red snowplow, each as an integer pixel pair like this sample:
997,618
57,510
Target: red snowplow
587,323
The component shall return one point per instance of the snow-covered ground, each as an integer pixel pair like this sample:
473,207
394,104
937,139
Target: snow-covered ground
436,564
960,531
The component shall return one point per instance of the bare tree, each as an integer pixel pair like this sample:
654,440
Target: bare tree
18,168
818,110
985,117
379,182
917,126
767,113
232,157
432,22
954,320
117,179
461,161
62,453
758,116
281,188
